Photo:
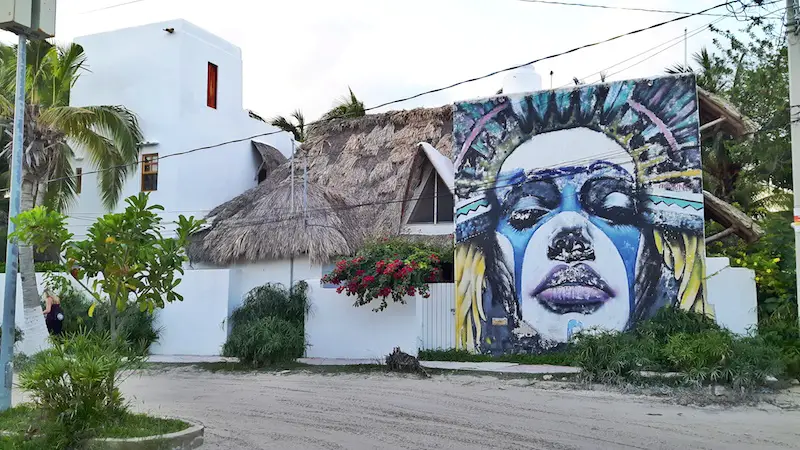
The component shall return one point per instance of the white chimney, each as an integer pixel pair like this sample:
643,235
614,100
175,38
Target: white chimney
521,81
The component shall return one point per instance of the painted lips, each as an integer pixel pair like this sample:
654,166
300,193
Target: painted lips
575,288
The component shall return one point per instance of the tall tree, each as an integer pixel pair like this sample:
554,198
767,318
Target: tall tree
109,136
749,69
347,107
295,124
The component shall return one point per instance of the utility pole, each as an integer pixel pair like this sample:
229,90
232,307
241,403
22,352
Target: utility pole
793,41
686,48
291,215
12,249
34,19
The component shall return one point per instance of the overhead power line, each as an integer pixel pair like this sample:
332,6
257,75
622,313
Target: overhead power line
555,55
617,8
105,8
193,150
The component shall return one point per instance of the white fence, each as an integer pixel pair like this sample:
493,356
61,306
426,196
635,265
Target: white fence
437,316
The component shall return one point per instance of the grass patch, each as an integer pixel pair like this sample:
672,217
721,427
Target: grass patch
553,359
141,425
26,419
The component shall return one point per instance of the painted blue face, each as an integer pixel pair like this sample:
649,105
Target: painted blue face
576,213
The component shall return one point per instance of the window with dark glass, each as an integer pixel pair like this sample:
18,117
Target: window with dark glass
150,172
435,203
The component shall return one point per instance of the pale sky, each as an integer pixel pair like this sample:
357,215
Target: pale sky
303,54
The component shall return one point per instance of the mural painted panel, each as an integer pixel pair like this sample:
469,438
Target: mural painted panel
575,209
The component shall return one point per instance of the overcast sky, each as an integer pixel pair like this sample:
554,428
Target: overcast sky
305,53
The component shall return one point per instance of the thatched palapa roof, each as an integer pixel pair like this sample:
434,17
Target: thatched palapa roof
359,173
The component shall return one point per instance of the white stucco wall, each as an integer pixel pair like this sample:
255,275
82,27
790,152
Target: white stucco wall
732,294
245,277
337,329
197,325
162,78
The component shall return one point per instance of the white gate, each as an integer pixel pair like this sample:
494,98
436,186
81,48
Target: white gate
438,318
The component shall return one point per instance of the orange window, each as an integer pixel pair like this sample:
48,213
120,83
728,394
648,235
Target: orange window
150,172
212,85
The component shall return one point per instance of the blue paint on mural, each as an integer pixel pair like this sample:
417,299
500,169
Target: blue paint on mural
583,209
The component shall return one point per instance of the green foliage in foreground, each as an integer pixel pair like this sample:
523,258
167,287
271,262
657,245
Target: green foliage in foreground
554,359
25,421
75,387
672,341
268,327
134,327
678,341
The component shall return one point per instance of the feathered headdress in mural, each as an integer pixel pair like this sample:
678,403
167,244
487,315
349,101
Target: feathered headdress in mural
654,120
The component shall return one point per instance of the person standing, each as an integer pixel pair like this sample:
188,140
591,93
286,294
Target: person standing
53,314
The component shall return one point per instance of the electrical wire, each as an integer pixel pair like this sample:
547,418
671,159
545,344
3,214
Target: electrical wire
555,55
105,8
674,41
617,8
420,94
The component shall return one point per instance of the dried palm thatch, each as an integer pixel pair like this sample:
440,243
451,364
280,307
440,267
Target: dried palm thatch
358,173
259,225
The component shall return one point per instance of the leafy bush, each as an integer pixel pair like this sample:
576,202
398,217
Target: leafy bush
17,334
43,266
780,330
677,341
610,356
273,300
134,327
76,386
564,358
265,341
269,326
388,268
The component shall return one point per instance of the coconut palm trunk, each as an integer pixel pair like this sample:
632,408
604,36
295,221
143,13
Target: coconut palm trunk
33,324
108,135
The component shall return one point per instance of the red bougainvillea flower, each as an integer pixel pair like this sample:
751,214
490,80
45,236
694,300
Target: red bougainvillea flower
369,279
359,272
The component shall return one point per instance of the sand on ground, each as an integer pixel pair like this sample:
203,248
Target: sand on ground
379,411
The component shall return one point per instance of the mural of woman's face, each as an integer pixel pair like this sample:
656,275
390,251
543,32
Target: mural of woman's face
567,227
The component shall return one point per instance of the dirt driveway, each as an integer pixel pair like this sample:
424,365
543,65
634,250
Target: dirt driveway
375,411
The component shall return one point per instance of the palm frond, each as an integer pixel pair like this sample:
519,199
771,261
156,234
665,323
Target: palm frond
110,136
61,192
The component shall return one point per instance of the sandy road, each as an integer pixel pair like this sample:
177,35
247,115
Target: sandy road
350,411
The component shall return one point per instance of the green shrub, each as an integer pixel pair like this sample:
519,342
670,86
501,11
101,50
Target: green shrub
76,386
136,328
667,322
17,334
780,330
563,358
269,326
678,341
43,266
273,300
265,341
610,356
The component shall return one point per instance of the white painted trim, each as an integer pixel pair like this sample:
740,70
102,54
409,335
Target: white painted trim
430,229
442,164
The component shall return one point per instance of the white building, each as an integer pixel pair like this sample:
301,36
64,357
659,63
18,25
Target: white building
185,85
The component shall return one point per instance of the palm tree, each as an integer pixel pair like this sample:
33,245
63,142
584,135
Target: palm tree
711,73
109,135
295,124
347,107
